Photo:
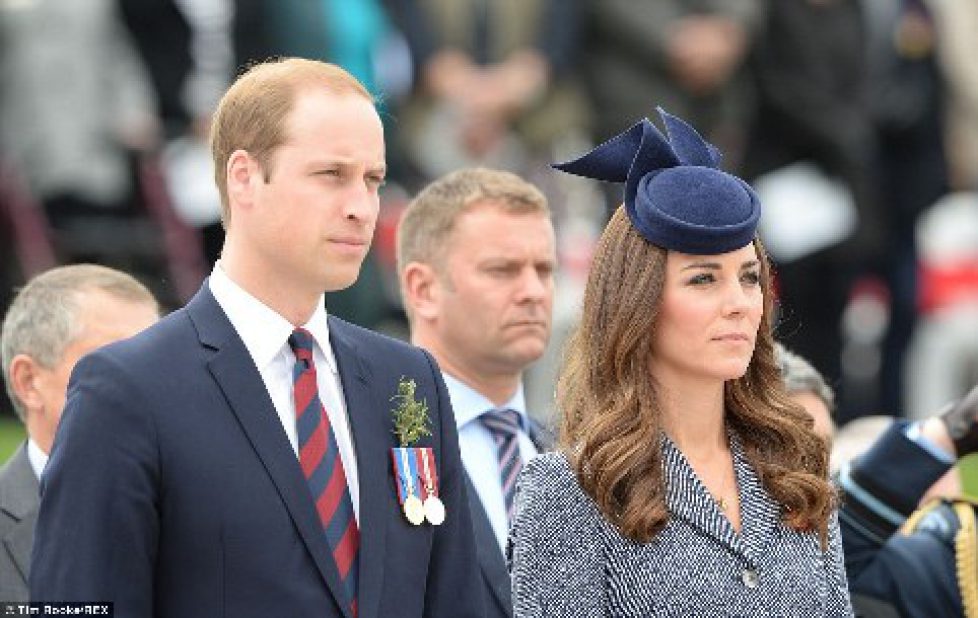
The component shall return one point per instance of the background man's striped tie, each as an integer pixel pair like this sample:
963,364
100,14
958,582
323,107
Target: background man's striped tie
505,427
320,459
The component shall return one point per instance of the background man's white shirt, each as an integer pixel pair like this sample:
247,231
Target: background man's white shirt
479,449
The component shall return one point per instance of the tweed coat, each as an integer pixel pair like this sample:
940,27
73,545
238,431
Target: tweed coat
567,560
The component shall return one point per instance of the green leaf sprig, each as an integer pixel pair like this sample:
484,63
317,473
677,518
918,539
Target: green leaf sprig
411,422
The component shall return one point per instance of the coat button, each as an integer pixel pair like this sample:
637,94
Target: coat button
749,577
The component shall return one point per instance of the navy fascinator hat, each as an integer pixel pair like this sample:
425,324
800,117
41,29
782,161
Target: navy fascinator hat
676,195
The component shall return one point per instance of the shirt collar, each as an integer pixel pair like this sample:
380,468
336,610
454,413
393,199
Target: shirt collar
37,458
468,404
263,330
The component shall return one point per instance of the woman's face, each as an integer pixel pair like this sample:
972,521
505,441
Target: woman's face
710,310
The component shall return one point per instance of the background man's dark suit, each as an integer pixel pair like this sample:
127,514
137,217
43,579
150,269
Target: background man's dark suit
18,512
495,572
198,506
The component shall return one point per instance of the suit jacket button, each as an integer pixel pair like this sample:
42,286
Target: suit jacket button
749,577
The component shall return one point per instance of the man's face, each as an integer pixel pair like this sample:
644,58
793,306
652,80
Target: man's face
494,291
102,319
310,225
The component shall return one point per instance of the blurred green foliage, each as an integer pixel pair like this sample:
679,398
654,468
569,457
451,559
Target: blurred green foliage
11,435
969,475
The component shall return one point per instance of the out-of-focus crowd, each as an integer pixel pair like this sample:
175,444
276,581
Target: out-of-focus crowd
856,120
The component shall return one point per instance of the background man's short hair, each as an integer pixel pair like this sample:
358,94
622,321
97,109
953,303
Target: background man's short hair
801,376
42,319
429,219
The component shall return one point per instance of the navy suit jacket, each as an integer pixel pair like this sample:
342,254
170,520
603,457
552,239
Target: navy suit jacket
172,489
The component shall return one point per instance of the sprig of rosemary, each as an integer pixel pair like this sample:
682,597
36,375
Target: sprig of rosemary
411,422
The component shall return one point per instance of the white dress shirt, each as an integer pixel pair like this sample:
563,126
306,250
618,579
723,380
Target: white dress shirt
265,334
479,449
37,458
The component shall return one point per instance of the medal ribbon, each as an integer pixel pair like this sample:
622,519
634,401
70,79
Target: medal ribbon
406,469
430,473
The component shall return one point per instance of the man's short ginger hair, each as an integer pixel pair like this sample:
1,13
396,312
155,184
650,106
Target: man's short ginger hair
253,113
427,224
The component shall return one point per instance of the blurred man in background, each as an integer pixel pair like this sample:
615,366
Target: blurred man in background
57,318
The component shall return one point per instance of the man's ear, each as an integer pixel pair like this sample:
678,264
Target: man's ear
23,377
243,173
420,289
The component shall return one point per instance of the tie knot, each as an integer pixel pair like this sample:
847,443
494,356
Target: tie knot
504,421
301,343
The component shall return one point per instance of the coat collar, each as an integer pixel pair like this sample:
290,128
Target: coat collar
688,499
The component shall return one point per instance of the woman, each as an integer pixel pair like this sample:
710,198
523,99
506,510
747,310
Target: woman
687,483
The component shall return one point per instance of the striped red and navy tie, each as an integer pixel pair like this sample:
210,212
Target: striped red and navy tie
505,427
320,459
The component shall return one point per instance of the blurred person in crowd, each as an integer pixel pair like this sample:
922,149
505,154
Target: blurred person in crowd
955,24
75,101
187,47
164,37
942,362
807,388
57,318
919,561
907,100
476,259
687,482
689,56
493,83
810,71
242,480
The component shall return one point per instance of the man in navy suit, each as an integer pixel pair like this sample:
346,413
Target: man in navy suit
235,459
476,258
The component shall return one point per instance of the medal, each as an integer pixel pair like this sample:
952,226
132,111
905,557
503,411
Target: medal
406,470
414,510
434,508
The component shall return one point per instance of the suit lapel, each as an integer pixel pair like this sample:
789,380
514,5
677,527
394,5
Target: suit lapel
19,500
689,500
242,385
370,425
490,557
18,543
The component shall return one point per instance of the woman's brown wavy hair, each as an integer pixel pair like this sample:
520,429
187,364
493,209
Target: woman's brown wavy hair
610,416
